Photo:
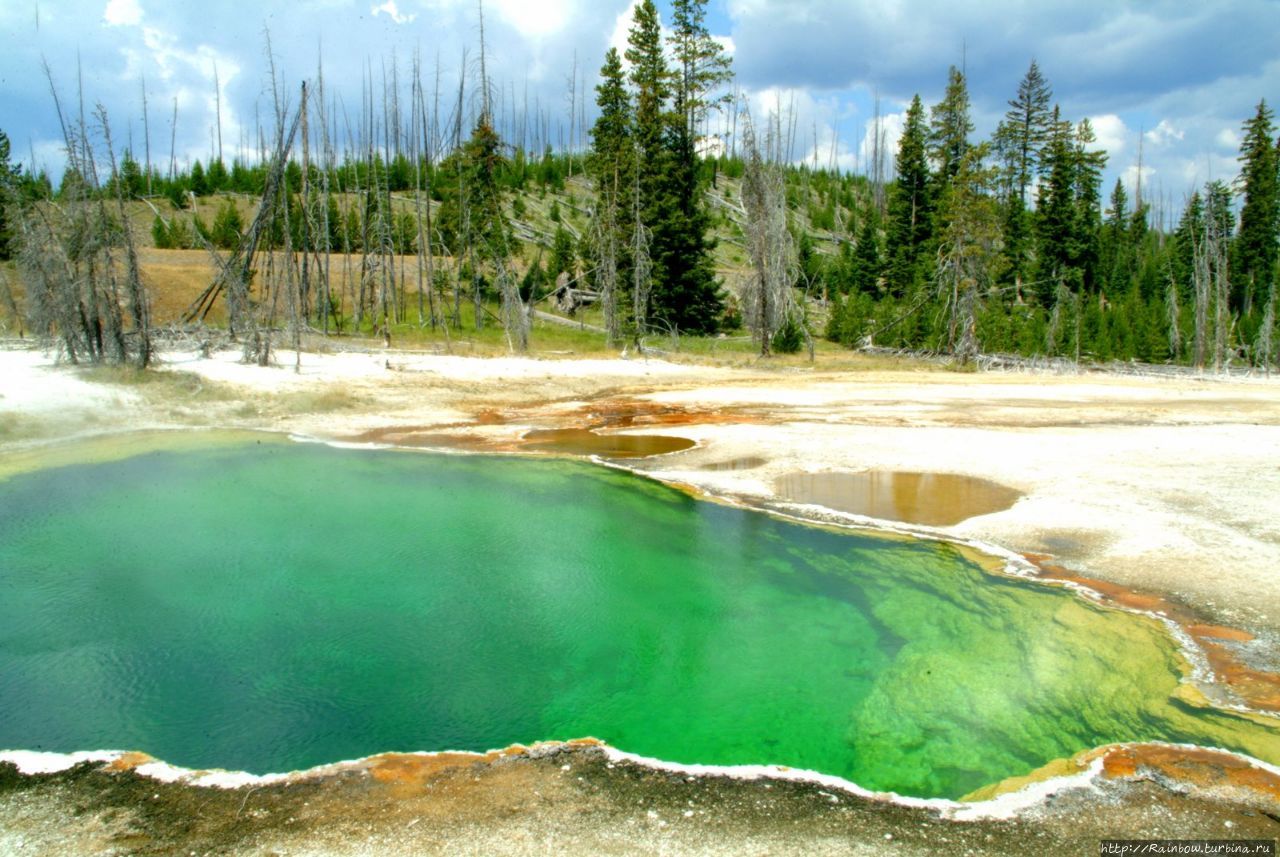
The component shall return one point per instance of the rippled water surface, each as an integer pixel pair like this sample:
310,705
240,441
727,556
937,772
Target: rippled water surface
272,607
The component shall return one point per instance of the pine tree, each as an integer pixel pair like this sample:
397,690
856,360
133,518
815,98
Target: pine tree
950,128
650,79
227,226
217,177
701,64
611,157
910,212
684,294
1056,210
969,252
1026,129
1089,164
611,165
1256,249
1019,139
866,262
199,186
1116,260
1190,231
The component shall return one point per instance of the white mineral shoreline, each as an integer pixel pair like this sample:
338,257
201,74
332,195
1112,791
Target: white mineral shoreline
1003,806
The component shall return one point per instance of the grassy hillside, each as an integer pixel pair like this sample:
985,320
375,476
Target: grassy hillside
536,210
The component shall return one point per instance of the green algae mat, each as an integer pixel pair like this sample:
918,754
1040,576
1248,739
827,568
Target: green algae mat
269,607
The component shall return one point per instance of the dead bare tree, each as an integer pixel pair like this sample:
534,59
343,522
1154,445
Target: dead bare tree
139,311
970,259
1175,329
604,230
67,259
1266,344
641,268
767,301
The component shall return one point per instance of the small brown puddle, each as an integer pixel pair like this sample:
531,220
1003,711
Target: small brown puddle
578,441
929,499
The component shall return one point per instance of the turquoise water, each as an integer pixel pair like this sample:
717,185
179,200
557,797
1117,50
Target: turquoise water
276,606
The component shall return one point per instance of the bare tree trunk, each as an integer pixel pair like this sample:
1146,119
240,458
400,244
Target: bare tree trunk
137,297
641,269
146,135
1266,344
605,226
1171,305
767,300
1221,291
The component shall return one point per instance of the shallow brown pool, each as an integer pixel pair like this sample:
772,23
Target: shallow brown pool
579,441
929,499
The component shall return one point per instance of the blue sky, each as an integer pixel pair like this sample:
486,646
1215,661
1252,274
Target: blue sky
1180,76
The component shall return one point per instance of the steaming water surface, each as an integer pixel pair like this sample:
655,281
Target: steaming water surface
273,607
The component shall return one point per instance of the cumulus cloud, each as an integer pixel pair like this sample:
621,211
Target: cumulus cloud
122,13
1111,132
890,133
535,19
1164,134
795,126
1228,138
1132,176
622,29
392,11
1127,66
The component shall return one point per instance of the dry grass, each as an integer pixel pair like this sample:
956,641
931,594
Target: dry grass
169,386
324,401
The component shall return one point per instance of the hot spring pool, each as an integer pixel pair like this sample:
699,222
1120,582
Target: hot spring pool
274,606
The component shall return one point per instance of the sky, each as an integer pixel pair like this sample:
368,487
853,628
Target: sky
1171,81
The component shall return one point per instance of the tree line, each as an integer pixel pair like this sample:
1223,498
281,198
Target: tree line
969,246
1005,245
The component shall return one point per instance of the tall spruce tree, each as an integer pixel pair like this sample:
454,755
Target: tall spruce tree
1056,215
1254,265
1089,164
612,148
950,128
1018,140
1116,261
611,165
702,66
1025,130
651,84
685,295
910,211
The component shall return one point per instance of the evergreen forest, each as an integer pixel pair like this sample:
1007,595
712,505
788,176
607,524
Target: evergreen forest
674,213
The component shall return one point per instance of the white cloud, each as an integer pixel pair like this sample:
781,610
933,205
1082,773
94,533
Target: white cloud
891,127
535,19
1131,175
1111,132
1194,172
622,29
122,13
808,127
1164,134
392,11
1228,138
